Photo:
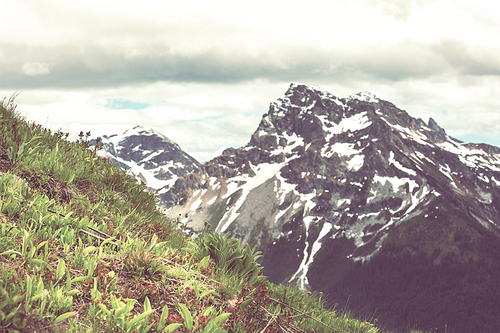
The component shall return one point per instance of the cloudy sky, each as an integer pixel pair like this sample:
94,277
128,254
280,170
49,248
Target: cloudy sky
204,72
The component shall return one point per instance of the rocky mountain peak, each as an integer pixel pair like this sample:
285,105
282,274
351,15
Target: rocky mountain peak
140,130
307,115
149,155
433,125
364,96
358,165
140,138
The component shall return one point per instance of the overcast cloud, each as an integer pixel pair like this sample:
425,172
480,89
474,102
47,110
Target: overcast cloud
204,72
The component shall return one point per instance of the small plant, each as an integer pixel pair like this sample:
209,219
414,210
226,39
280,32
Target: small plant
142,263
230,257
10,315
118,316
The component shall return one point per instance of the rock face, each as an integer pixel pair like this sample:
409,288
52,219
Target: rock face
354,197
149,156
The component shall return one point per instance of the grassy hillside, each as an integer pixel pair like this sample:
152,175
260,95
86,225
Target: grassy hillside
84,249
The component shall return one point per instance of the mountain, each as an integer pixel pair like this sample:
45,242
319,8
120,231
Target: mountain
60,203
384,213
149,156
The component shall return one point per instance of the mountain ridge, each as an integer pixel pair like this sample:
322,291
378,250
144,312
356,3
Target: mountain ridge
325,176
332,189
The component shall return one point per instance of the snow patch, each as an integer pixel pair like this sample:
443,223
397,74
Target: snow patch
263,172
354,123
356,162
409,134
364,96
301,273
399,166
472,157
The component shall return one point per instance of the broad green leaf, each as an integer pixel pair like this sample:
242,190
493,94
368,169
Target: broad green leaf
173,327
21,149
36,137
68,281
31,254
64,316
70,178
207,311
44,303
245,303
140,317
61,269
10,315
41,295
125,310
221,318
163,318
9,153
153,241
104,309
17,299
188,319
203,262
205,294
38,262
89,249
9,252
147,304
210,327
73,292
107,241
91,266
29,286
39,287
80,278
68,214
146,329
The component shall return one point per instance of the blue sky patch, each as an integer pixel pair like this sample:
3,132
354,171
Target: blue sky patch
491,140
120,104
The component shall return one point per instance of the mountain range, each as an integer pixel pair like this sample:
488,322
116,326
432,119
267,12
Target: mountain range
384,213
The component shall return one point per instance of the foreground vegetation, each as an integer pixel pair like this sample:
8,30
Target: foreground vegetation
83,248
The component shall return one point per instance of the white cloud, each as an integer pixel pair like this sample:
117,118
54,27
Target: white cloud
206,71
36,68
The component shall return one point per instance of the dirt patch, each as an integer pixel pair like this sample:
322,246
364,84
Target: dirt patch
5,162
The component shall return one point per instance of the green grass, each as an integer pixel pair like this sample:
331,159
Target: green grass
83,248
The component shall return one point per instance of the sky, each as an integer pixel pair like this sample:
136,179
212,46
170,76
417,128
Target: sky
204,72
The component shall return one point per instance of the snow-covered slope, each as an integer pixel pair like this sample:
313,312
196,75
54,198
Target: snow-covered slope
149,156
